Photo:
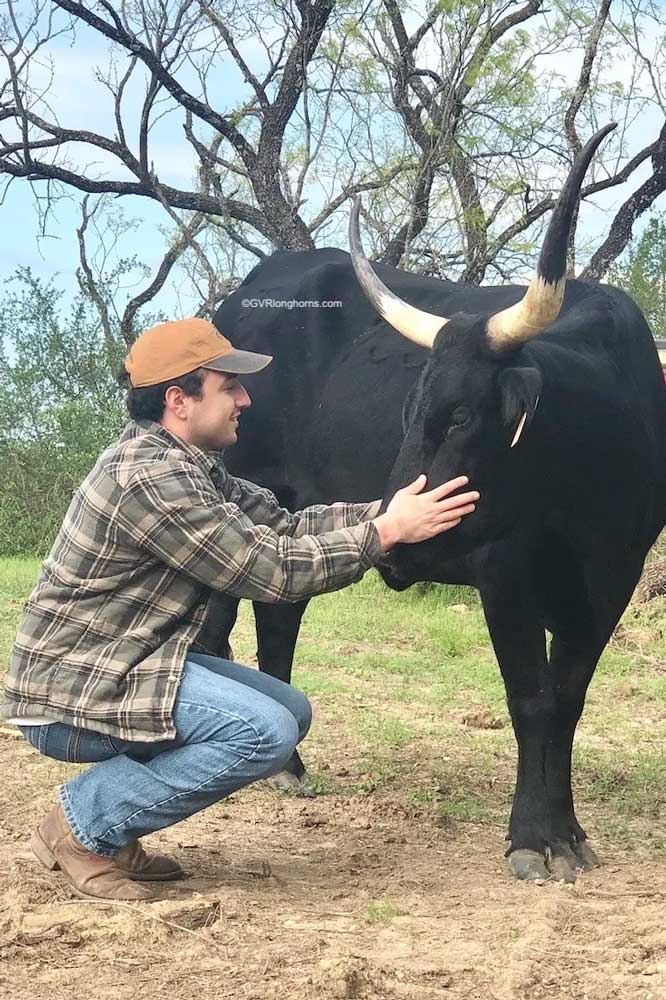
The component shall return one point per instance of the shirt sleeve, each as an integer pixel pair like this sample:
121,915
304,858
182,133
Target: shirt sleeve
262,507
172,510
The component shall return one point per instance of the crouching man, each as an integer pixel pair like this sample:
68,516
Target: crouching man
107,668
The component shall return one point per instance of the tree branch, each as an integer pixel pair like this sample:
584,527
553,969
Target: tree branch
191,200
350,190
86,280
182,243
622,226
119,34
578,96
249,76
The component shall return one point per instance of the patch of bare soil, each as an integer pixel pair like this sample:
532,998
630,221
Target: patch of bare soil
336,897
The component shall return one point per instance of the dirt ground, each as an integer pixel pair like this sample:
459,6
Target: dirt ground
338,896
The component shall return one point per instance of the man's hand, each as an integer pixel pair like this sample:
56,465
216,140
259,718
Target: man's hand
414,516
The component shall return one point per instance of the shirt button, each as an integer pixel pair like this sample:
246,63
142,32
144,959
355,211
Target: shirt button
172,677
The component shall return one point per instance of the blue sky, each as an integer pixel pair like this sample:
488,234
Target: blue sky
81,103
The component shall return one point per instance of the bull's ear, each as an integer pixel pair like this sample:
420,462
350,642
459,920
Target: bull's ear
520,389
409,407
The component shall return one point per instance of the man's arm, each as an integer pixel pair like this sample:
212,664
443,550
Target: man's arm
262,507
171,510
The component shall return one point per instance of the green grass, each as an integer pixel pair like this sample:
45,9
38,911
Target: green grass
454,806
319,685
633,782
409,702
382,911
385,731
16,580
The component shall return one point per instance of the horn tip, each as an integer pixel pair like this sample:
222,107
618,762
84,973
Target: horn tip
601,134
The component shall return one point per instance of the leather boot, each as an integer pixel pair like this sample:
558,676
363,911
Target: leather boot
90,875
147,867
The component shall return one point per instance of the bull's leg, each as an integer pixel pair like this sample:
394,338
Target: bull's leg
573,658
222,613
546,699
572,665
277,628
520,647
277,631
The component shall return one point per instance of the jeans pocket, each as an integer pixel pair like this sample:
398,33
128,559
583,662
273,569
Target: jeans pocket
69,743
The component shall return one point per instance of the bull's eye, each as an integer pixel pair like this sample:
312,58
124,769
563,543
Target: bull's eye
460,416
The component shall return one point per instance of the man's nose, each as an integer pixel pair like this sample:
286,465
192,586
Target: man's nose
243,399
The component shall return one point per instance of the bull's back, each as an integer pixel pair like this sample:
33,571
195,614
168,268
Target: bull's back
326,420
325,423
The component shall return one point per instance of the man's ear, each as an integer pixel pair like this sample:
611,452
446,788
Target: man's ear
173,400
520,389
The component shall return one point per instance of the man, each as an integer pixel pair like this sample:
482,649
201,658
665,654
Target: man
109,667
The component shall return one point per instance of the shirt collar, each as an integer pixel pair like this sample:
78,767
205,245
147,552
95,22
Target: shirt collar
207,460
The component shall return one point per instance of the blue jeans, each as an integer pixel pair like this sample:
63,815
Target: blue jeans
235,725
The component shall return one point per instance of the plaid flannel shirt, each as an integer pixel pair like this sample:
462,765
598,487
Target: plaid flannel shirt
156,527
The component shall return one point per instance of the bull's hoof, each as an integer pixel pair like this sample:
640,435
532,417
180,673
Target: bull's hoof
563,863
288,784
529,866
566,863
587,858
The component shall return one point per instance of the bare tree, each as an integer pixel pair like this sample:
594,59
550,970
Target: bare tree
454,118
99,275
494,133
165,42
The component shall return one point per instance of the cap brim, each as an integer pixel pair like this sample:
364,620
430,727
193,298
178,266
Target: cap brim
240,362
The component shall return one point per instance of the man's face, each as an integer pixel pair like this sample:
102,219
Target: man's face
211,423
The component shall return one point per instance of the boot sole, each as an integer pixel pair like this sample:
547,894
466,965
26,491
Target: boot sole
113,899
49,860
175,877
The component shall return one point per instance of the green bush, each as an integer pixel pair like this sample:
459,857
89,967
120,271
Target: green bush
60,405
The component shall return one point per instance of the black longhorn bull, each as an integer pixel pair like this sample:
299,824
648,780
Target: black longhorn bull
551,401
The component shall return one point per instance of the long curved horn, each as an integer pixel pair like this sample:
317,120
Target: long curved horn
415,324
542,301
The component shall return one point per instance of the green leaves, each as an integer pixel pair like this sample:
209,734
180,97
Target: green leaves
60,406
642,273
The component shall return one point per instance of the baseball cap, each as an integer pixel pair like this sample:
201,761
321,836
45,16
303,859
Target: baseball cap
177,347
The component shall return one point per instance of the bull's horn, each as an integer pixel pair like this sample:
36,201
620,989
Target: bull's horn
415,324
542,301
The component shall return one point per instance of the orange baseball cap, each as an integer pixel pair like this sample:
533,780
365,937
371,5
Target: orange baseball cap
171,349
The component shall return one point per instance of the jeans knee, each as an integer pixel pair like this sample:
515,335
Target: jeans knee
302,710
280,734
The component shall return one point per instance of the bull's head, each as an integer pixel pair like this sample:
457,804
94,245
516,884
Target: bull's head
471,410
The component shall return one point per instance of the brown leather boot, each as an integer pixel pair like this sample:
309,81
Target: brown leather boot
147,867
90,875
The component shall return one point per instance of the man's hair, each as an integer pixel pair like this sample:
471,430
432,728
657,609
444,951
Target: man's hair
147,402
